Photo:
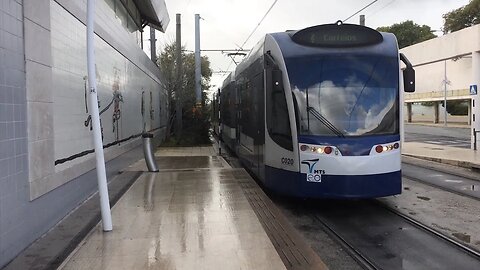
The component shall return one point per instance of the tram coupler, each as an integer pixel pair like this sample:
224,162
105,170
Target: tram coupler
148,152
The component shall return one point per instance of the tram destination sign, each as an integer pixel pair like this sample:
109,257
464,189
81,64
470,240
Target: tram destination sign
337,35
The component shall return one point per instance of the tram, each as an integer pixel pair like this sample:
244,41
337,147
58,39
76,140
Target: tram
317,113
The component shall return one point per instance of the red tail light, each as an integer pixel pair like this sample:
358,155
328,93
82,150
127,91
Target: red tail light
328,150
379,149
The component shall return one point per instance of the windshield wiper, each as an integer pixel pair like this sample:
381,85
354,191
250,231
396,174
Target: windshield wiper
325,122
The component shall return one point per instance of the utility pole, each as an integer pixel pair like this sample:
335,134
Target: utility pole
362,20
179,84
153,48
198,65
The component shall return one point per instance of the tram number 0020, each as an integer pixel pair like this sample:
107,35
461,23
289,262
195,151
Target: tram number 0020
287,161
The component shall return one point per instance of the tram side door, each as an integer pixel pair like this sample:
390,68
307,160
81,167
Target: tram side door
259,112
238,114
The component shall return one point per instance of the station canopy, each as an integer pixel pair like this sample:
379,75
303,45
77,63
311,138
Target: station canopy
153,13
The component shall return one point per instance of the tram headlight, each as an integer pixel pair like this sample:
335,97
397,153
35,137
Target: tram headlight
386,148
319,149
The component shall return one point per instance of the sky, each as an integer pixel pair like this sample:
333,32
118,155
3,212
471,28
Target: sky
226,24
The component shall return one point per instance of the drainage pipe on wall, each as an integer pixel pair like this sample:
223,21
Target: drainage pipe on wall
148,152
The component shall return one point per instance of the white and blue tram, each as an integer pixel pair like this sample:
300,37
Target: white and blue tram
318,112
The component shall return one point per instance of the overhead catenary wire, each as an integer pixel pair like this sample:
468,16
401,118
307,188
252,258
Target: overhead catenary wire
380,9
362,9
255,29
260,22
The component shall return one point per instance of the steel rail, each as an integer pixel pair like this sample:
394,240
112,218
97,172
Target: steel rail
467,250
356,255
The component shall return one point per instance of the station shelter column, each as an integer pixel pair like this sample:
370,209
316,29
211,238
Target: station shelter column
469,112
409,112
475,99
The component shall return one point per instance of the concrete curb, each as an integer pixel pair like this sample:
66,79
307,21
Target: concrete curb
458,163
451,125
442,167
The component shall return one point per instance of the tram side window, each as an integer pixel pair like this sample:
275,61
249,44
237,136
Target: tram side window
225,109
278,122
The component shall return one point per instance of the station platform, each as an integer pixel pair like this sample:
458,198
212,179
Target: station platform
196,213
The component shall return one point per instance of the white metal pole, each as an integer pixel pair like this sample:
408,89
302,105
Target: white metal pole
445,91
97,135
198,75
475,126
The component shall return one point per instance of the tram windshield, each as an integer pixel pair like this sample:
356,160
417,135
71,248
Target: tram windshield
345,95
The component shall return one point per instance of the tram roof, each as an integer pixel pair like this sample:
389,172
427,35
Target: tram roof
388,47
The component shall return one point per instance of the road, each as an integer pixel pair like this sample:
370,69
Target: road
439,135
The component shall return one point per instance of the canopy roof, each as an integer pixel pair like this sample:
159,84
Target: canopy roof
154,13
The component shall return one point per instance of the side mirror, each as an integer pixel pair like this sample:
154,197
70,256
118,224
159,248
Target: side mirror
408,75
409,80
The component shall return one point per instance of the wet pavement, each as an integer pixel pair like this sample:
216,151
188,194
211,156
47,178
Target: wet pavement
435,142
193,216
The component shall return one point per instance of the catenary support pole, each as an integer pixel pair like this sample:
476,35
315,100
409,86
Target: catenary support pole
362,20
198,74
153,45
476,101
97,135
179,84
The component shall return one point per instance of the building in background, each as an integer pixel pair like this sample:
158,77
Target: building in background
46,156
446,60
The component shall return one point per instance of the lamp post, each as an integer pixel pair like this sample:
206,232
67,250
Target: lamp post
445,83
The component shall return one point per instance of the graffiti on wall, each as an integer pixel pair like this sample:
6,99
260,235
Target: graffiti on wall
117,98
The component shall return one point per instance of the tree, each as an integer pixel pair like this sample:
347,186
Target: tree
463,17
457,107
408,33
195,119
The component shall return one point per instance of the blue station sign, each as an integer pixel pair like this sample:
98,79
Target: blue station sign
473,89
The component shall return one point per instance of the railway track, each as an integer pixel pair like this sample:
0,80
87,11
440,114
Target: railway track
379,237
362,260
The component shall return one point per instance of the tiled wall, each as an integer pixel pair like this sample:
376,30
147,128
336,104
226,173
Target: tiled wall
13,137
31,81
57,107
